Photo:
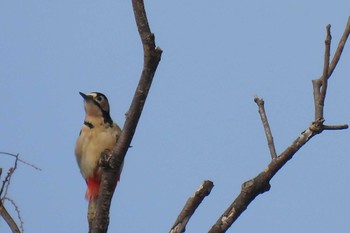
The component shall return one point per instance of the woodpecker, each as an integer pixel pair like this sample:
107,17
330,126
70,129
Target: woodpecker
97,135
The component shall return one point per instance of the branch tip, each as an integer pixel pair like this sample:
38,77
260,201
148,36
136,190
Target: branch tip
335,127
258,101
190,207
268,133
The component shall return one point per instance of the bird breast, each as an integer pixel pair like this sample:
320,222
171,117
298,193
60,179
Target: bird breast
90,144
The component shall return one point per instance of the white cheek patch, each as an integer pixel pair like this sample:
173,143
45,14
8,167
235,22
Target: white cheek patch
92,94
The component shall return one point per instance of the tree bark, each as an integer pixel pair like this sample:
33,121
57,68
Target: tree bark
152,57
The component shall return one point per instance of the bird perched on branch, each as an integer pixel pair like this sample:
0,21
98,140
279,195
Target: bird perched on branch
98,134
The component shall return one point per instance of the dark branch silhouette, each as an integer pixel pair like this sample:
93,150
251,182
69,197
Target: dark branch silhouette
21,160
3,194
152,57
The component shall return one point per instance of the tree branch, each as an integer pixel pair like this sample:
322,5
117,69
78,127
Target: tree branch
22,161
190,207
320,85
338,52
324,78
335,127
3,195
8,219
271,144
6,182
152,57
261,183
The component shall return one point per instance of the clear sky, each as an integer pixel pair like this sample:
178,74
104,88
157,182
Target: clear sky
199,122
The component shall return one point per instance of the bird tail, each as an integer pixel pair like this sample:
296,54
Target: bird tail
94,188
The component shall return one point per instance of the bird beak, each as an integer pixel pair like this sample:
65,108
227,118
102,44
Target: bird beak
85,97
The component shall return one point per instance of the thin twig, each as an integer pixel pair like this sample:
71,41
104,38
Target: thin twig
190,207
335,127
7,180
3,194
22,161
18,213
338,52
320,85
268,133
324,78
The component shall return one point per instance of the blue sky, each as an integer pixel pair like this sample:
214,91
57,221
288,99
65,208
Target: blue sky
200,121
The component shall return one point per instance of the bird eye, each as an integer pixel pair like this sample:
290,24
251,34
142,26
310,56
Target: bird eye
99,98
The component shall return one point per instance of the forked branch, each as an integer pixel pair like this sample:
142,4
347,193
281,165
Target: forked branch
3,194
320,85
261,183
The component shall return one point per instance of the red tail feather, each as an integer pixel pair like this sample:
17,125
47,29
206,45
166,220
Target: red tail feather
94,188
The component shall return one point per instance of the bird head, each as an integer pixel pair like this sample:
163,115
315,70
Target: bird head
95,104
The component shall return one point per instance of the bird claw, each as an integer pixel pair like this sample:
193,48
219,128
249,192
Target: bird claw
105,159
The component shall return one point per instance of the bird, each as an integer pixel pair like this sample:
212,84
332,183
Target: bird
98,134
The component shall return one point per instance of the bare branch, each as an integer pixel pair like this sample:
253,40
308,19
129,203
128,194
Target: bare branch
190,207
7,180
335,127
324,78
8,219
338,52
316,85
152,57
17,211
3,194
320,85
271,144
22,161
261,183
